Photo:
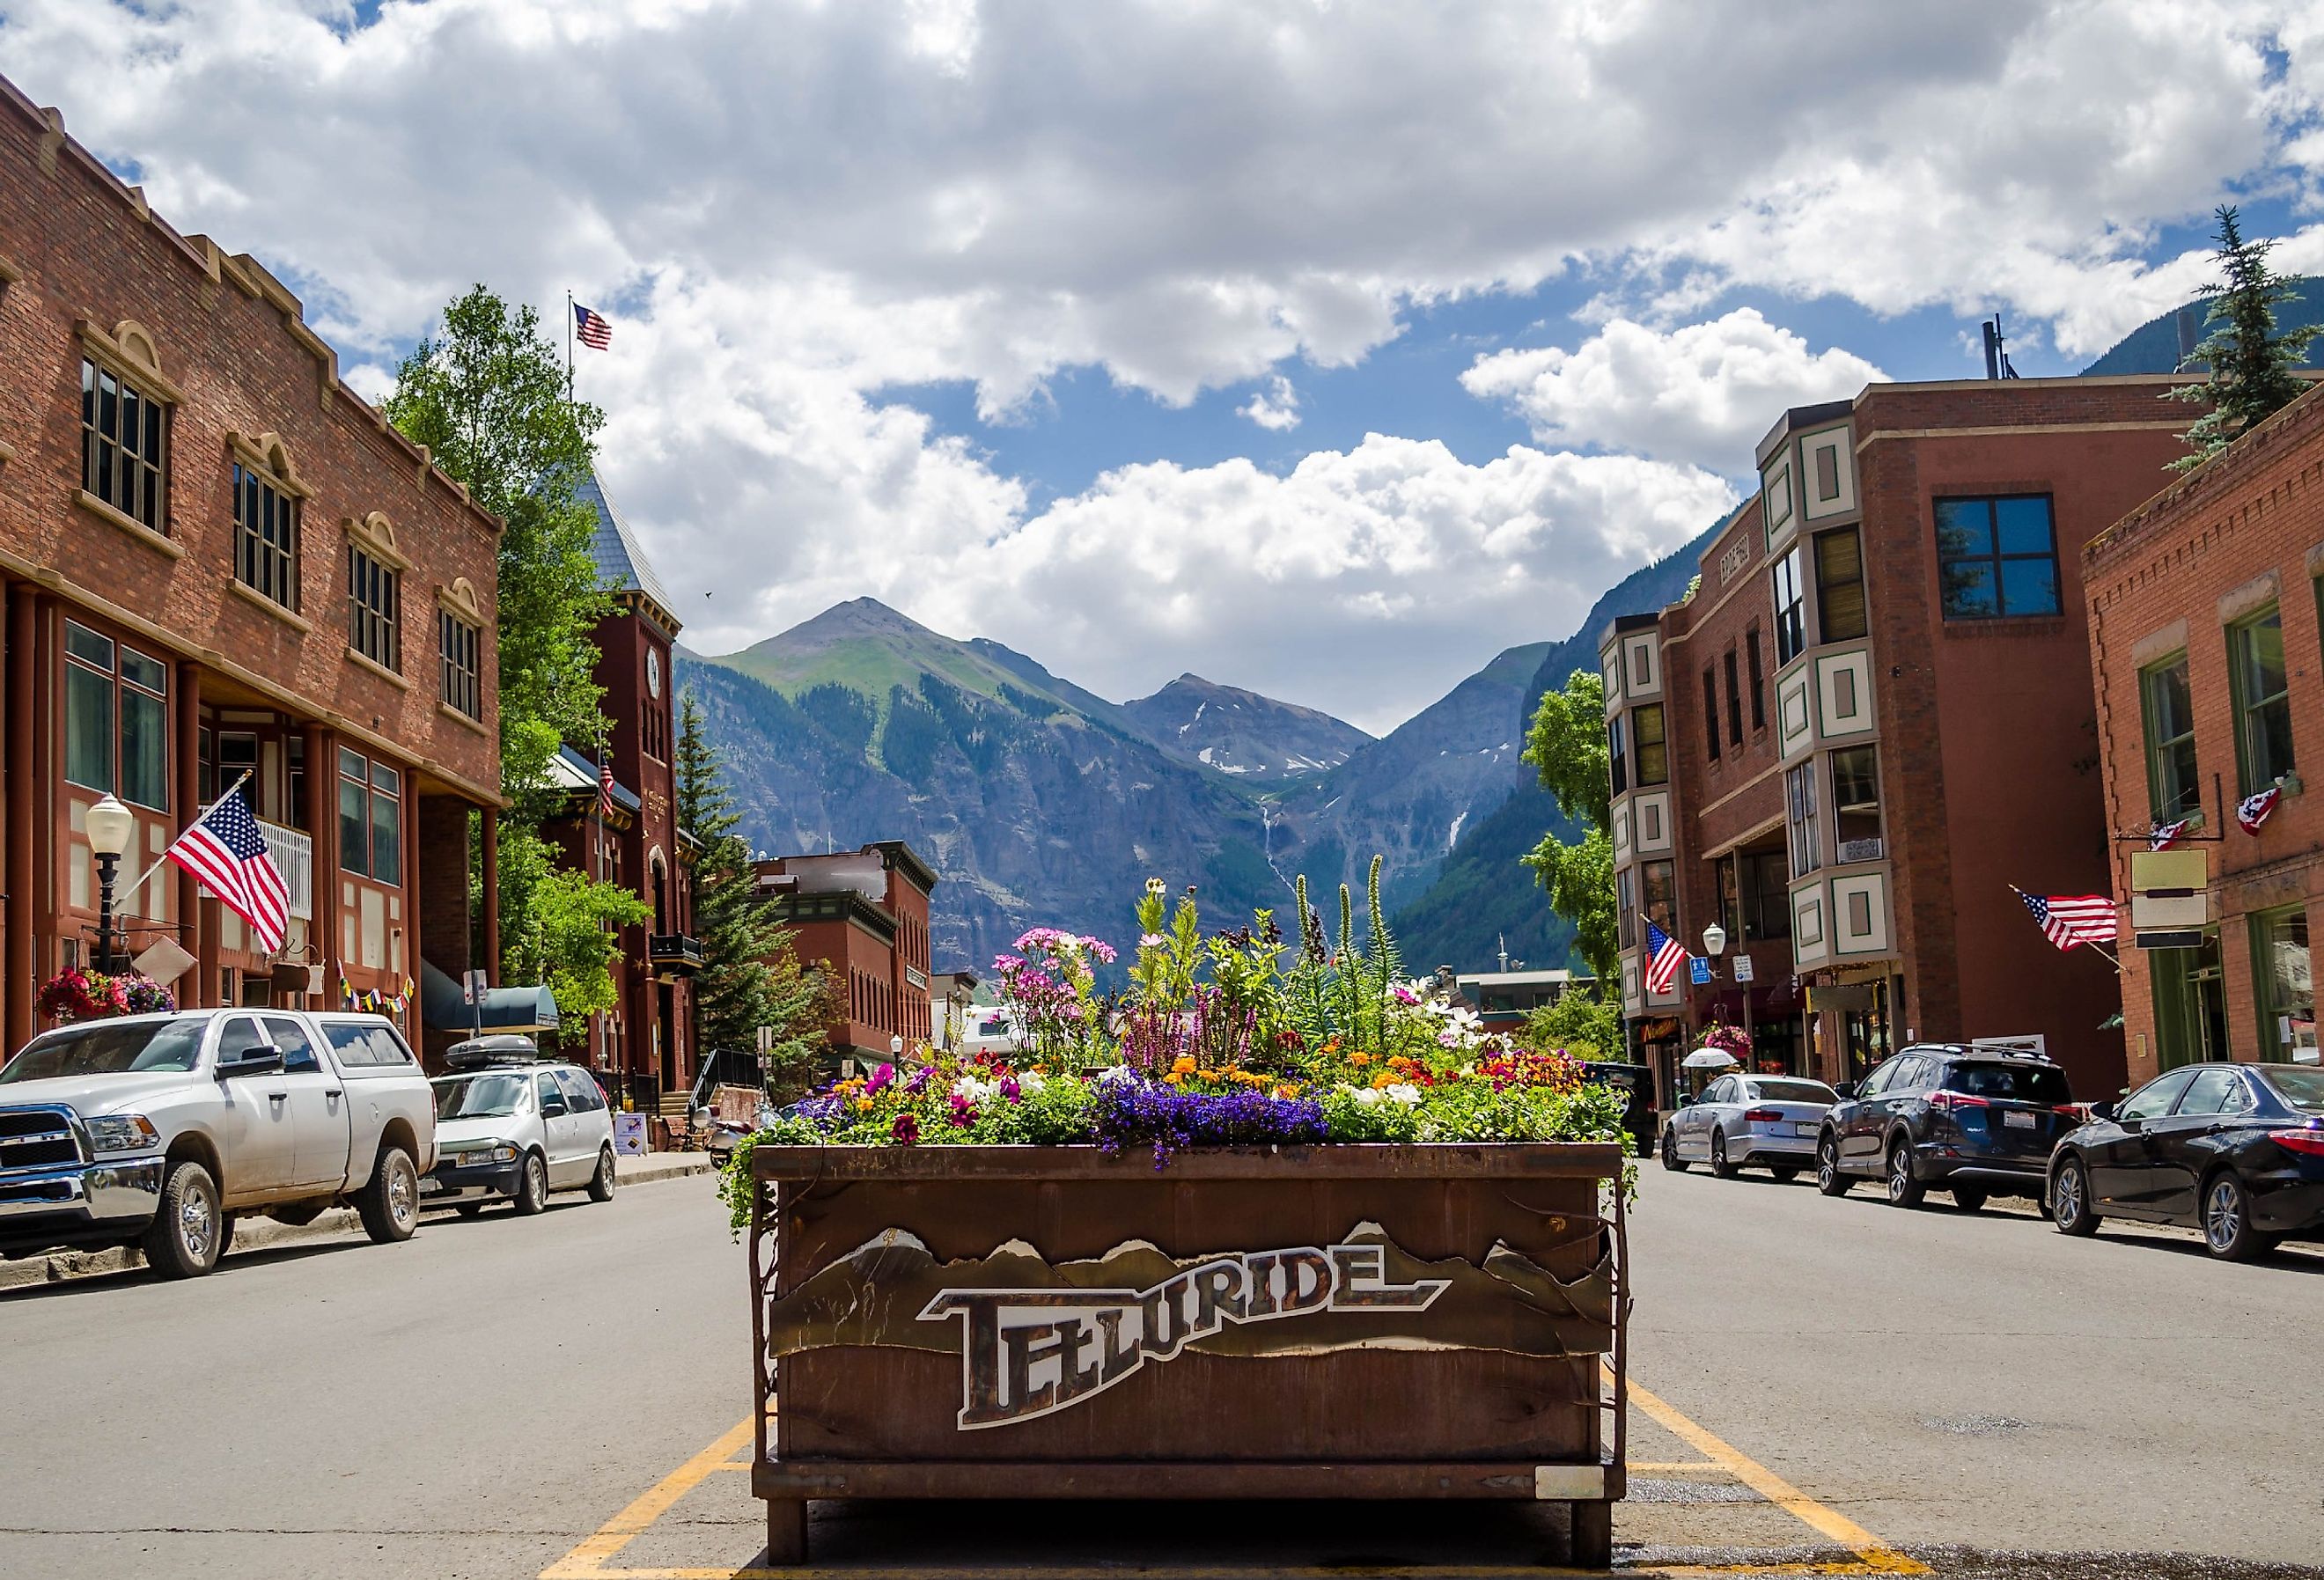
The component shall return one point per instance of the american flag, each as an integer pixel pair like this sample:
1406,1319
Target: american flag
228,855
605,788
2069,920
2166,835
596,333
1664,955
2253,810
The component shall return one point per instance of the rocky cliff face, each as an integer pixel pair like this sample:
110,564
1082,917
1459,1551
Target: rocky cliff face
1040,801
1254,738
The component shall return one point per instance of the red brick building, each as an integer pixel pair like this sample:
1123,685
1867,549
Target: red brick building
218,561
2209,663
864,915
1914,737
645,1045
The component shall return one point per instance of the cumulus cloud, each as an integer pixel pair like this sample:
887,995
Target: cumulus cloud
1274,408
1700,395
790,208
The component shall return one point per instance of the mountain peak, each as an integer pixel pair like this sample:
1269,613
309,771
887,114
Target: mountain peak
1242,733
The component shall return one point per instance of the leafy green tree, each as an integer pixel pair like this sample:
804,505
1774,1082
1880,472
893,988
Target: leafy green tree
1566,745
752,976
1582,1021
2252,367
573,924
487,395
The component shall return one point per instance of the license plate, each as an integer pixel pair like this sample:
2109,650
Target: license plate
1803,1128
2016,1120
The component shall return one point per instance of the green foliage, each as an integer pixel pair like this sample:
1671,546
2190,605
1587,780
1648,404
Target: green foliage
751,976
573,922
487,395
846,715
1477,1111
2251,365
1566,745
1580,1023
1339,990
910,739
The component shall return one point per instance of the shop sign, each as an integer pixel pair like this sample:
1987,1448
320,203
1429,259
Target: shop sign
1085,1340
2170,898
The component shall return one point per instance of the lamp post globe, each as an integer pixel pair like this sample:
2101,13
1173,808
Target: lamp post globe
110,827
896,1046
1714,940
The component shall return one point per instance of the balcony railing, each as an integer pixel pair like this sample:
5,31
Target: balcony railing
674,952
294,852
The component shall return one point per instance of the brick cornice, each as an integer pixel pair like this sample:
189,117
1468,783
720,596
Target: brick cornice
2249,452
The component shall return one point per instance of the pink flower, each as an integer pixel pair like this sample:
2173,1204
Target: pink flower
881,1078
1151,940
904,1130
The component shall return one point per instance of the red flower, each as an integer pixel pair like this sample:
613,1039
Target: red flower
904,1130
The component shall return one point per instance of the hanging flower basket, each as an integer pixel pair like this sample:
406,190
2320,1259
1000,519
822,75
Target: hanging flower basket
79,994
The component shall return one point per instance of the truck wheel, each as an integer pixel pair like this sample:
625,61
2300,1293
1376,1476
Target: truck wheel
532,1187
389,1204
187,1232
601,1183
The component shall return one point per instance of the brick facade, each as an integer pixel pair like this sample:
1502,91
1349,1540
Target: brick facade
2167,584
862,917
1936,758
92,285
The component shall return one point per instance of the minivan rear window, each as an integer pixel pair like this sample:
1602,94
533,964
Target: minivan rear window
2010,1083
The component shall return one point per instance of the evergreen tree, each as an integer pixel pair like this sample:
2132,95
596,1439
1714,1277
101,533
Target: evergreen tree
487,395
752,976
1566,745
2251,366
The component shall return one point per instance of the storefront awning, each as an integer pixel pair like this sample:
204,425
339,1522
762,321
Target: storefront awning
504,1009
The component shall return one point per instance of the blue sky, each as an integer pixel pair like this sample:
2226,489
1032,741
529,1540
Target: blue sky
972,309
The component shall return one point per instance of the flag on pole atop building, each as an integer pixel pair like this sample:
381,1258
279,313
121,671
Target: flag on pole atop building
596,333
2253,810
1664,955
2069,920
228,855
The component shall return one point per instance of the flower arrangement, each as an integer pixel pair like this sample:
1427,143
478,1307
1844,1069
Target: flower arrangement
79,994
1232,1039
1731,1041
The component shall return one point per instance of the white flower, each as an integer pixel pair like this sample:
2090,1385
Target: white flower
973,1090
1405,1092
1367,1096
1031,1082
1119,1072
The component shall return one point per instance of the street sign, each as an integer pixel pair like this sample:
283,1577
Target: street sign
1743,968
1699,968
472,989
766,1041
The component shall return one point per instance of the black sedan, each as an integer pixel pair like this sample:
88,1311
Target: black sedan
2234,1149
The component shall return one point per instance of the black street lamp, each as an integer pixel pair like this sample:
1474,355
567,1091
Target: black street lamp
110,827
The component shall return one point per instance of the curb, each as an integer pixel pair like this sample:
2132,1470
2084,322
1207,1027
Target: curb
258,1234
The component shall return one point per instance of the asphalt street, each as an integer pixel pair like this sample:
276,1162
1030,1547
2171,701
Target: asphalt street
1964,1395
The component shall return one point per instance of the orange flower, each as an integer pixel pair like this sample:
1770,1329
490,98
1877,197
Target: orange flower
1177,1077
1384,1080
1286,1091
1183,1066
1359,1059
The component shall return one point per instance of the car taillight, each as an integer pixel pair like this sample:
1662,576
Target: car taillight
1763,1115
2078,1112
1956,1100
2311,1142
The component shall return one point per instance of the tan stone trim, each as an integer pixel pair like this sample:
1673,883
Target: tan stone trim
8,451
2159,644
265,686
1744,838
459,600
1772,769
2254,594
2316,561
456,717
9,272
266,452
365,660
291,617
2005,429
52,139
128,523
129,352
375,534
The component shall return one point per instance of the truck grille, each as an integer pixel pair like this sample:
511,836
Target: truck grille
36,1137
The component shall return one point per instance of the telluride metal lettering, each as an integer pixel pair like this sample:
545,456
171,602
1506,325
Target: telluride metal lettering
1029,1352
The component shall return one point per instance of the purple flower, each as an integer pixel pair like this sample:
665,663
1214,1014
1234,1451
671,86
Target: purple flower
904,1130
881,1079
1011,1090
1171,1120
918,1080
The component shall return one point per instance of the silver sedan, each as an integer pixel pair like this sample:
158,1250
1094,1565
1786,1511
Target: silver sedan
1749,1122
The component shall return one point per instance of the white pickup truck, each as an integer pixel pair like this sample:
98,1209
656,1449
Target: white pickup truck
156,1130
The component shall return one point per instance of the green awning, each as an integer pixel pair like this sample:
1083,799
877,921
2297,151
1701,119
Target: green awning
504,1009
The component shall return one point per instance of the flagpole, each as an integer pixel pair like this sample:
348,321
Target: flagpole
568,348
122,895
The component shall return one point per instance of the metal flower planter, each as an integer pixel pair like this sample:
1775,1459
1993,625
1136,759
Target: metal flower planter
1319,1322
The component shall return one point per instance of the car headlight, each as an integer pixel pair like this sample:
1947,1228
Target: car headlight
121,1133
478,1160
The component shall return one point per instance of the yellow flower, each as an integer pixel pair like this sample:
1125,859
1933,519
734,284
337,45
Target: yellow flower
1286,1091
1183,1066
863,1104
1176,1077
1384,1080
1359,1059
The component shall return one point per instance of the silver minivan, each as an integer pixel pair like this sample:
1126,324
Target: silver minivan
516,1131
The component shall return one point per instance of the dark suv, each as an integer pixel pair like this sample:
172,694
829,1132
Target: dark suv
1973,1121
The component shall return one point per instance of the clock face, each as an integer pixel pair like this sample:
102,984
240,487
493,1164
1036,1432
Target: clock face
653,672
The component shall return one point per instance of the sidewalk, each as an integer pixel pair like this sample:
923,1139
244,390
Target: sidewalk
253,1233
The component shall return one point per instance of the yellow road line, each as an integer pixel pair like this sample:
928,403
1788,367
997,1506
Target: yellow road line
588,1559
1879,1557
